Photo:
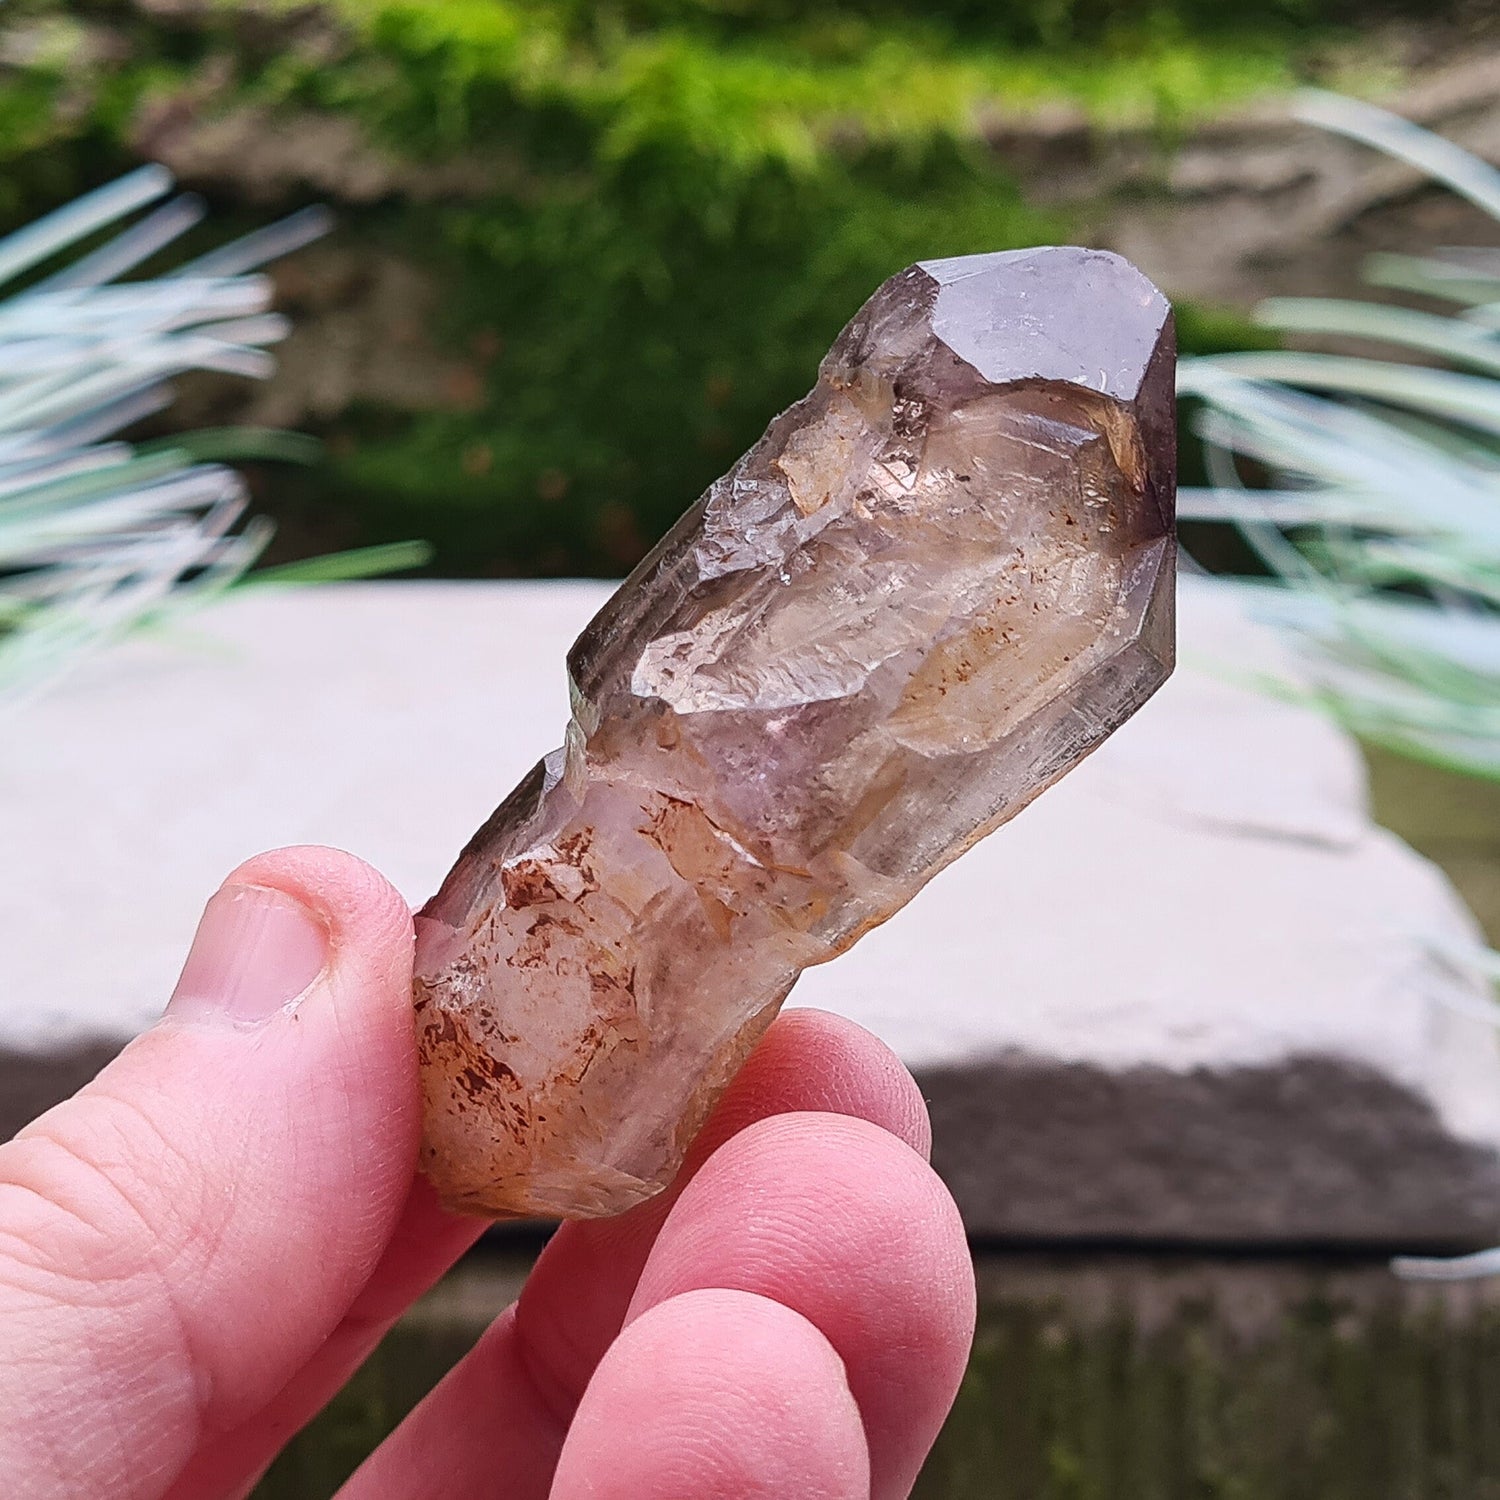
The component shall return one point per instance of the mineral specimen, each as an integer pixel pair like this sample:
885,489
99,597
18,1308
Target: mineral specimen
932,587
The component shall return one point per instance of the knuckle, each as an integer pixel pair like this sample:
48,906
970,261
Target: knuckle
94,1204
96,1197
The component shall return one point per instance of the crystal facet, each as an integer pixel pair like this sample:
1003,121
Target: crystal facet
934,585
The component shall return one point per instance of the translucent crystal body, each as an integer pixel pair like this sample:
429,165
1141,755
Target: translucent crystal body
934,585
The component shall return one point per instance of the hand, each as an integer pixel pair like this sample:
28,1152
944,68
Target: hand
199,1248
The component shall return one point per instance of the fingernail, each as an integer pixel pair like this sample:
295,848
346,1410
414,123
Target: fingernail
255,952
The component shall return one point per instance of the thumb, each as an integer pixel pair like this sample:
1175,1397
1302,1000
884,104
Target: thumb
178,1238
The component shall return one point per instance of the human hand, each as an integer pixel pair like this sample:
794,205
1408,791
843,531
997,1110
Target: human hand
201,1246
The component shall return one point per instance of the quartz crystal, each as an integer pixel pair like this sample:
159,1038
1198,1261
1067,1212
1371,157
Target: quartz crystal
932,587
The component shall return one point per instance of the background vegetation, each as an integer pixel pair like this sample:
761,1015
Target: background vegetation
646,220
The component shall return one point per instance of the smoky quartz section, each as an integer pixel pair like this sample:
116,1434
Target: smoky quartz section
932,587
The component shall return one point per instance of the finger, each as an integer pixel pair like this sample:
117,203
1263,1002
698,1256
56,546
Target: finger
716,1396
506,1405
844,1224
582,1285
426,1242
181,1237
810,1060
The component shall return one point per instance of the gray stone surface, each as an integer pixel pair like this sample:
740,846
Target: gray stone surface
1189,996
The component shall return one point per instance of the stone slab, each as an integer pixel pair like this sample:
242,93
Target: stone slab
1190,996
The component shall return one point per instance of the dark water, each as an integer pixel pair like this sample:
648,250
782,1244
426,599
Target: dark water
1124,1377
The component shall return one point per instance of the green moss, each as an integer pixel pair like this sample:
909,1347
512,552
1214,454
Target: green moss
642,345
1207,328
775,86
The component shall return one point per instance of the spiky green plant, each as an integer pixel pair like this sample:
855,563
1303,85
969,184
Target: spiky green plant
1375,506
99,535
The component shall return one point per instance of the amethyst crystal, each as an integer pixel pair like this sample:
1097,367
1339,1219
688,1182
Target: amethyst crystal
932,587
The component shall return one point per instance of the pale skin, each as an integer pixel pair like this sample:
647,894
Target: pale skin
198,1249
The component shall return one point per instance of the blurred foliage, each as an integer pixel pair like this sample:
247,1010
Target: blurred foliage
790,87
687,199
643,344
1366,487
100,537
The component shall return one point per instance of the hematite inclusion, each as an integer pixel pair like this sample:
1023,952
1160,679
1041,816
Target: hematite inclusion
932,587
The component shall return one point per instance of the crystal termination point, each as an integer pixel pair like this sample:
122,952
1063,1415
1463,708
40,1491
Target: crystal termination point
934,585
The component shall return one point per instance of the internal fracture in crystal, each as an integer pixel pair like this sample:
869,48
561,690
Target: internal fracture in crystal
932,587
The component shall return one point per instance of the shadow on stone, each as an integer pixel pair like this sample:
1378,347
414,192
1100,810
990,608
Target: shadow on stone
1309,1150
